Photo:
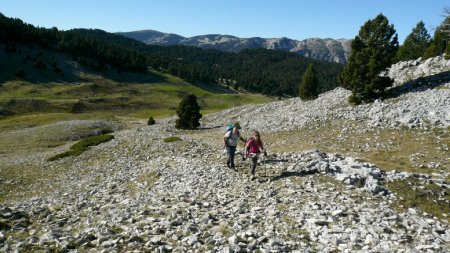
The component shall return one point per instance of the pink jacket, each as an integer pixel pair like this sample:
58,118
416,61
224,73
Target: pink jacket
254,146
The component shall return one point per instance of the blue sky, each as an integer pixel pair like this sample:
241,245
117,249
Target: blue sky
295,19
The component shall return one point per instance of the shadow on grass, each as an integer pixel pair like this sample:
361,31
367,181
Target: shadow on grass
211,127
75,75
132,77
214,88
286,174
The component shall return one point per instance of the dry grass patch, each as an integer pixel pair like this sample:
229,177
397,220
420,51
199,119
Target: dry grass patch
412,150
23,181
147,179
429,198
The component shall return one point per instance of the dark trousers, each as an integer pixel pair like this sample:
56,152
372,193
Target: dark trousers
231,151
253,162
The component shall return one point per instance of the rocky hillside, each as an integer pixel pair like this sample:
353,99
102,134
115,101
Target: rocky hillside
140,192
320,49
417,104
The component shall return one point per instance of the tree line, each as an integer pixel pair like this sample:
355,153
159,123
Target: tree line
257,70
376,47
14,32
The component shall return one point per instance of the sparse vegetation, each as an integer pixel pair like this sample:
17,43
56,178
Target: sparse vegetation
427,197
411,150
146,180
225,230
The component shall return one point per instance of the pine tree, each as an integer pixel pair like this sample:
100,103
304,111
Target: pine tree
439,42
415,44
447,51
20,73
372,51
308,86
151,121
188,112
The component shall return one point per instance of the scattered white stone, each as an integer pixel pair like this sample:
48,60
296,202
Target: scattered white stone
147,195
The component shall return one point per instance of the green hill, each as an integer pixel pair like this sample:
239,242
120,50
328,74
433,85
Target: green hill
23,103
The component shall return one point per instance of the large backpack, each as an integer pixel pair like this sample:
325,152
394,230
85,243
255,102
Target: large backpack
229,128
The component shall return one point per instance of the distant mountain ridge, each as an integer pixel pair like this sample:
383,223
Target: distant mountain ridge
320,49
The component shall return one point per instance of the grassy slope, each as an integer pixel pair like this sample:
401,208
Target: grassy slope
105,98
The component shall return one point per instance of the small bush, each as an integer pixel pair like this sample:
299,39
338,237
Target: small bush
20,73
171,139
83,145
4,112
40,64
151,121
78,107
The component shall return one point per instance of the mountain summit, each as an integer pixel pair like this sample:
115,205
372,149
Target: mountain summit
321,49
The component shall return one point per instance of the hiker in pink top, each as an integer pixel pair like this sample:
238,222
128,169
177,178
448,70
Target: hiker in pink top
253,148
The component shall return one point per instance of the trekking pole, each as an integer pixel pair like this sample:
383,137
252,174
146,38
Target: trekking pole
265,166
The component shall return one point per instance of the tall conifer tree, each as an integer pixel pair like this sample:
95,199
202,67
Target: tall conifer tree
372,52
308,86
439,42
188,112
415,44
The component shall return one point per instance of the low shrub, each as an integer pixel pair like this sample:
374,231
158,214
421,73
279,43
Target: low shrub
151,121
4,112
20,73
78,107
83,145
171,139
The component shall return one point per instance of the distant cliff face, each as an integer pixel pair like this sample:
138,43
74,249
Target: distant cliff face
321,49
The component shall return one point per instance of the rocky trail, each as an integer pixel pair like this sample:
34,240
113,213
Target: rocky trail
138,193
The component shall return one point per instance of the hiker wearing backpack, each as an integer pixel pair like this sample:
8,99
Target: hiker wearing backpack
253,148
230,140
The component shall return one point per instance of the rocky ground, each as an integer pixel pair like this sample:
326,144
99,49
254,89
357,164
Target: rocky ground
138,193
